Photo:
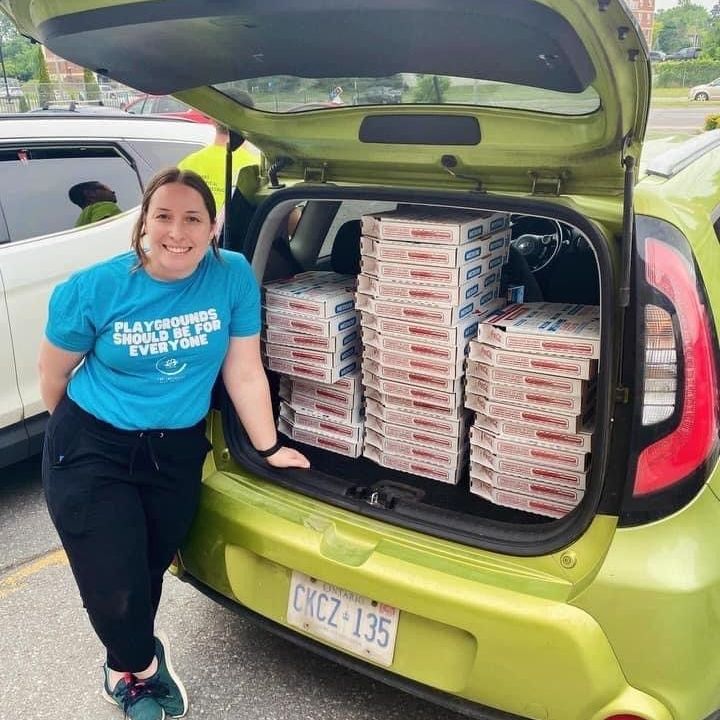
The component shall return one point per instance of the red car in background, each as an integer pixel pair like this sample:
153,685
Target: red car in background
166,106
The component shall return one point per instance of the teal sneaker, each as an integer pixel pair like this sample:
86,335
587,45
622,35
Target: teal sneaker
136,698
174,702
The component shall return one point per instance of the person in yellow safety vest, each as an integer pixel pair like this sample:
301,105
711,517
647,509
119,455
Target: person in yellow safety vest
209,162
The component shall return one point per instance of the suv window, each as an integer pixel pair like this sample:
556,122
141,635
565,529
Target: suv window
168,104
161,154
34,184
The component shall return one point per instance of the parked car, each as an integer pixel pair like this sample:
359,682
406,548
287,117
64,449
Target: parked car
688,53
41,157
708,91
657,56
608,612
164,106
380,95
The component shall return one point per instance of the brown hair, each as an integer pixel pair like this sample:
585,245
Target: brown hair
166,177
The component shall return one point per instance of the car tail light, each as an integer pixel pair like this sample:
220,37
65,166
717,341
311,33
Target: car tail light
676,432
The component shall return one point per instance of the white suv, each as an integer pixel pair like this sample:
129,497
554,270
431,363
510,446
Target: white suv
41,158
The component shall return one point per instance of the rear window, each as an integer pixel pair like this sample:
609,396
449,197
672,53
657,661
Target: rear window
289,94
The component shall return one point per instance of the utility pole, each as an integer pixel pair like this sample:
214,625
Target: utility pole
4,74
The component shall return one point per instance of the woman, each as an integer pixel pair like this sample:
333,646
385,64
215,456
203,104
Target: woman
133,347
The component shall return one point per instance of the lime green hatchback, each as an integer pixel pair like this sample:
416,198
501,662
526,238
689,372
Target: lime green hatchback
536,110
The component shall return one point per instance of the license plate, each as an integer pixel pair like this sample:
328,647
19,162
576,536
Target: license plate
343,618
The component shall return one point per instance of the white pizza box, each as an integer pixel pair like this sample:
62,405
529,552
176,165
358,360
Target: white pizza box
579,442
324,343
333,444
329,411
532,488
309,326
434,225
312,372
435,295
525,329
452,386
432,315
408,434
327,360
430,391
352,432
431,335
544,364
426,275
429,255
415,419
540,454
529,416
563,404
449,475
345,392
413,363
317,293
530,470
518,501
407,404
454,355
571,387
421,453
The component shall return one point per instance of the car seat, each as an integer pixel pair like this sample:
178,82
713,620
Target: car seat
345,253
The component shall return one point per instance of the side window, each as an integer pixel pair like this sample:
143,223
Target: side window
159,154
169,104
35,182
350,210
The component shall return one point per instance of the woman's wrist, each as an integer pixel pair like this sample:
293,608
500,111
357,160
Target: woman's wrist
269,451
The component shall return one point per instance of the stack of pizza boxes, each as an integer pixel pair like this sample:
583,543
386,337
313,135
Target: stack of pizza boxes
426,274
312,339
531,380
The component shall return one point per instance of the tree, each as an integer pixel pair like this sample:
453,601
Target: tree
46,93
92,89
17,51
430,89
682,26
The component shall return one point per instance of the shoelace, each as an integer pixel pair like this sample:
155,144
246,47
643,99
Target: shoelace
136,690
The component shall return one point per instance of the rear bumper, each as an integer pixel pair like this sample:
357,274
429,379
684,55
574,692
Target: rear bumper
512,649
450,702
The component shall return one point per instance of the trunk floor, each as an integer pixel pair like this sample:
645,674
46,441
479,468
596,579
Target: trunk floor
436,495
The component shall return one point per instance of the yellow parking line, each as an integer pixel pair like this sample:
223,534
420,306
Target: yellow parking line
16,579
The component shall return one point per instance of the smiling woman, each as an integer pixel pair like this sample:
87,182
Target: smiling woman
125,443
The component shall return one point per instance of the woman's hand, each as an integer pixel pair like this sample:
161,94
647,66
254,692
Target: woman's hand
288,457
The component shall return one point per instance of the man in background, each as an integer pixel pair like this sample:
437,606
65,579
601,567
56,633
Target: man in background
209,162
97,202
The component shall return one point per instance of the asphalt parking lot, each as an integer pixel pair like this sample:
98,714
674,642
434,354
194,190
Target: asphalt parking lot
51,660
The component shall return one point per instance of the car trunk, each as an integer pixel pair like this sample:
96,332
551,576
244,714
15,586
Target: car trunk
582,271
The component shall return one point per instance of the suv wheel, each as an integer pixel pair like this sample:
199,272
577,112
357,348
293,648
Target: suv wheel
701,96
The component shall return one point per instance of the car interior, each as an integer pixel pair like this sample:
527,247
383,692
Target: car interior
551,259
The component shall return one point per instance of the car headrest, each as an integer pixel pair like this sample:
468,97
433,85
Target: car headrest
345,254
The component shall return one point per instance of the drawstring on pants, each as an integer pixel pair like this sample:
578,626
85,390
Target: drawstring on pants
145,438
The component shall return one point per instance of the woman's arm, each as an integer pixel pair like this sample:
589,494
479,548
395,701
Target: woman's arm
247,385
55,366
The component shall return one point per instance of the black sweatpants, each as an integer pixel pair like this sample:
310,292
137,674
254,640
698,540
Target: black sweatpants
122,502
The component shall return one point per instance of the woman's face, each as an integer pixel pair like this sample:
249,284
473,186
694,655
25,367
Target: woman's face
177,231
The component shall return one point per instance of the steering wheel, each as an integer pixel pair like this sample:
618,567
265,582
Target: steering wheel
537,239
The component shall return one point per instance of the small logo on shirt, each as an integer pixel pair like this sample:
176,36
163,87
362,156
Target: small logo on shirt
170,366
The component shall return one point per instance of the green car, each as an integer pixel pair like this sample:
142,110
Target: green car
534,110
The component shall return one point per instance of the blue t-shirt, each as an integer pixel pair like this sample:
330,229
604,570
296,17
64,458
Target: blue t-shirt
153,348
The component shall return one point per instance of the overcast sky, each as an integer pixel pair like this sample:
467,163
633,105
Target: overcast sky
667,4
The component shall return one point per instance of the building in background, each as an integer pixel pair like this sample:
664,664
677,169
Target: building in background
61,70
644,11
